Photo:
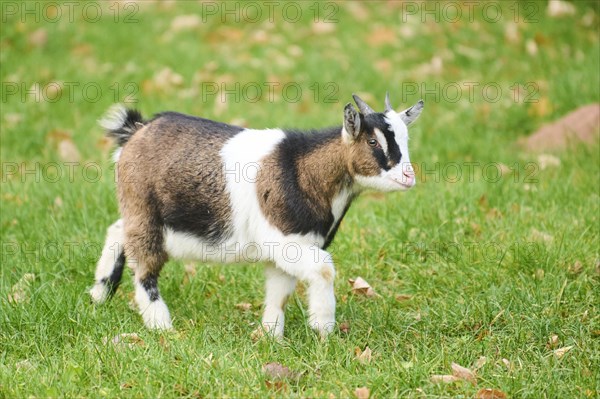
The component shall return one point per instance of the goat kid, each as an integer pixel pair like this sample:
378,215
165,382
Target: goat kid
193,188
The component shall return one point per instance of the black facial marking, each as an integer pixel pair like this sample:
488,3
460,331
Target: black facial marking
377,121
151,287
113,281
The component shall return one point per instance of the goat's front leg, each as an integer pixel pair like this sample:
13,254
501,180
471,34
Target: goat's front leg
279,286
315,267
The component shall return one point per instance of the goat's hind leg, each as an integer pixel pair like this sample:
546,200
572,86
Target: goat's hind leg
109,269
144,248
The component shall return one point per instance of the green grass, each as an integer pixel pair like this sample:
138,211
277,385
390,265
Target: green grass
488,264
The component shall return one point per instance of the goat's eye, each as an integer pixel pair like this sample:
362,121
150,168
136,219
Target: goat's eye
373,143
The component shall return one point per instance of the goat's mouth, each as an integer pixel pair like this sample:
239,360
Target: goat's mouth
402,184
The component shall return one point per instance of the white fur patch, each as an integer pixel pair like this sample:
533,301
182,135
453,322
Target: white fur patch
339,203
382,141
114,118
155,313
117,154
113,246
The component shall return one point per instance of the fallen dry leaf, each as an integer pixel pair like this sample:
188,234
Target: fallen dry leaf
576,267
363,356
245,306
362,393
360,286
403,297
489,393
552,342
185,22
67,151
322,27
560,352
463,373
480,362
38,38
531,47
538,235
18,292
381,35
507,364
165,79
446,379
124,340
278,371
560,8
344,327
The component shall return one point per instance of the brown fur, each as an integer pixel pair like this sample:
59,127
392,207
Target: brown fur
157,179
325,170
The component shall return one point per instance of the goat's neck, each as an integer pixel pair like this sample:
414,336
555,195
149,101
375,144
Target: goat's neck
323,172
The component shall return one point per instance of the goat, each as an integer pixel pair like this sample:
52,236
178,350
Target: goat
193,188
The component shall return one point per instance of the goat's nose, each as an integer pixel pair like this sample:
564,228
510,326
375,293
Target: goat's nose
409,175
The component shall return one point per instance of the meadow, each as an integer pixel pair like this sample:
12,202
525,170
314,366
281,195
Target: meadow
491,262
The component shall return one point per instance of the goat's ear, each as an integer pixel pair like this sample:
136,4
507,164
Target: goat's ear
351,123
411,114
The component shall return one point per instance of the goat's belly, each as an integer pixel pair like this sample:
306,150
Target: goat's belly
190,247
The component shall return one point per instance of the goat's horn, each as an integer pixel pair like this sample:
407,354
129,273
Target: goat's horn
362,106
388,105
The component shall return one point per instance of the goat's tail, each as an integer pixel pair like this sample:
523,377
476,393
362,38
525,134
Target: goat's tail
121,123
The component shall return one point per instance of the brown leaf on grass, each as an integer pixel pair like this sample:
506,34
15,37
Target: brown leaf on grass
52,91
531,47
581,124
403,297
538,235
361,287
489,393
363,356
245,306
18,292
464,373
444,379
552,342
38,38
362,393
185,22
276,370
104,144
322,27
124,341
480,362
381,35
67,151
560,8
507,364
189,271
576,267
560,352
344,327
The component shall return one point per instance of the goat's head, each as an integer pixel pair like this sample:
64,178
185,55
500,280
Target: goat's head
378,145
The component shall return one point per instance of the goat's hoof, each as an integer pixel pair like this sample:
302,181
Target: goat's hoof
99,293
263,331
